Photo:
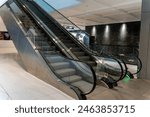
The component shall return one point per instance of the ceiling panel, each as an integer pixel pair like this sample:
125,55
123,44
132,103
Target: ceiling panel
94,12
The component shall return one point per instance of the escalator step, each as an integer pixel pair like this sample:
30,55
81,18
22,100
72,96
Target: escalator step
46,53
41,43
72,79
55,58
60,65
66,72
46,48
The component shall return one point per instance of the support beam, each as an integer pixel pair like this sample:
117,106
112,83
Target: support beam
144,50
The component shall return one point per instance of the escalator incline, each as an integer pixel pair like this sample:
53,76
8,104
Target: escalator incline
64,68
67,40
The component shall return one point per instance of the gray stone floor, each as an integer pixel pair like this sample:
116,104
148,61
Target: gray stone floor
17,84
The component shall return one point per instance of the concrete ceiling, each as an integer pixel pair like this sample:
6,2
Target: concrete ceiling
94,12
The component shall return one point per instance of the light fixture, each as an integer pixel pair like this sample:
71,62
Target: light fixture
94,31
107,32
123,31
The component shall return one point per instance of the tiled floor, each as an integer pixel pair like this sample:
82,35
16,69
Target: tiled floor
16,83
136,89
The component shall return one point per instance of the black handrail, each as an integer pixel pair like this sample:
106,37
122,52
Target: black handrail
123,71
139,64
140,67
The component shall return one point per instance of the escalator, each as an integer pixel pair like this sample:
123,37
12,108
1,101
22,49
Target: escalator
133,63
77,75
75,49
63,36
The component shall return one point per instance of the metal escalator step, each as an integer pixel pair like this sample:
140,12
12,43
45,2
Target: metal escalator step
83,85
46,48
46,53
27,21
60,65
27,24
55,58
42,48
41,43
66,72
71,79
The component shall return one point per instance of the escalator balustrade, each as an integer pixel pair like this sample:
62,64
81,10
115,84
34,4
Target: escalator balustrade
69,41
76,74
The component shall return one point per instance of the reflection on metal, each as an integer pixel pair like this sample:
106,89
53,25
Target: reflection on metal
107,32
109,67
94,32
122,54
131,60
123,32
